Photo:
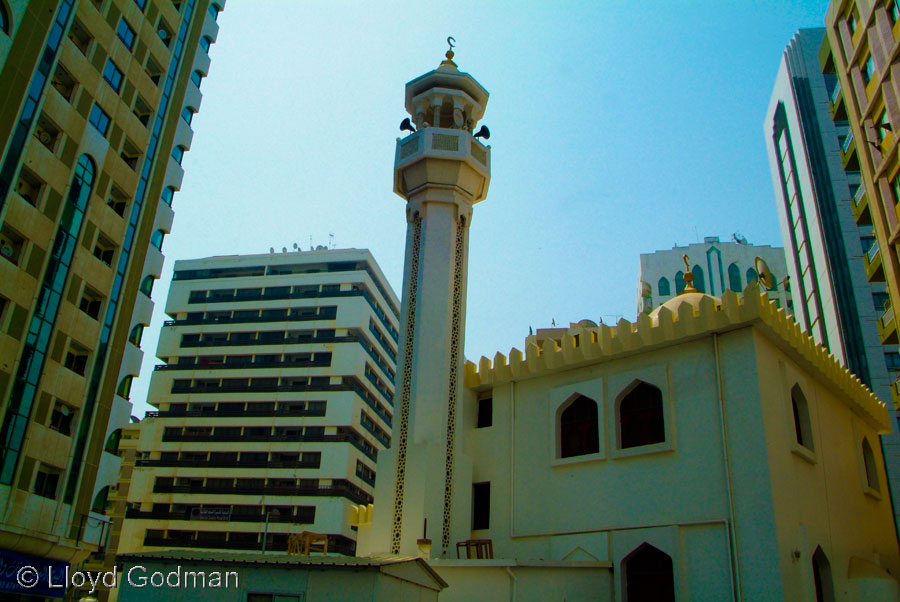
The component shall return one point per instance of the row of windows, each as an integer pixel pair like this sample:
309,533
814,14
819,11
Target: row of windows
308,459
230,408
226,512
735,283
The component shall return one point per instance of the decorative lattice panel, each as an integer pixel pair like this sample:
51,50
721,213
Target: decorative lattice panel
405,382
454,374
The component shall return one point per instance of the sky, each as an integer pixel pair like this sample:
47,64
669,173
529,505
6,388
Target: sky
617,128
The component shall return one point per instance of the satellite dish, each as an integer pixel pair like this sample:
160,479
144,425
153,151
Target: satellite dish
765,274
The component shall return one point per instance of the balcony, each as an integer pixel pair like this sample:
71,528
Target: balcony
887,327
861,206
873,263
222,464
848,153
304,517
338,488
838,107
278,542
248,413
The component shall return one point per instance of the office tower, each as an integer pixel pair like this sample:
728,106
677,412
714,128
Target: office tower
717,266
856,59
274,398
96,99
828,252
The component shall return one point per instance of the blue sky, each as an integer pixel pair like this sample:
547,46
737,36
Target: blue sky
617,128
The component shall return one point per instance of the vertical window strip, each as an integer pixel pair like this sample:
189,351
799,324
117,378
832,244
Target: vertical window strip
31,366
35,91
127,244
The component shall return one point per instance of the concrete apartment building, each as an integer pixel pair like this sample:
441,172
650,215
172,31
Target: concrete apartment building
858,58
826,248
274,398
96,99
717,266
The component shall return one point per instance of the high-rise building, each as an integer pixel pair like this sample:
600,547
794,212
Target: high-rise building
96,99
826,249
274,398
717,267
858,54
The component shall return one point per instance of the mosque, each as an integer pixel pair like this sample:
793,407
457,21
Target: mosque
709,451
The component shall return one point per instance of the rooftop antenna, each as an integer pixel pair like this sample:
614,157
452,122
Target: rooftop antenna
331,240
310,242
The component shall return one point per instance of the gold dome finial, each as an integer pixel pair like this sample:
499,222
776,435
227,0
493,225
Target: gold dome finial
449,54
688,277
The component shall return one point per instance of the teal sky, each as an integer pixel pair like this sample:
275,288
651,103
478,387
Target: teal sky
617,128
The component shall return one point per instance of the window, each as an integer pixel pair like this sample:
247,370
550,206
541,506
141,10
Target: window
142,110
485,412
852,22
112,442
101,501
178,154
47,133
883,126
187,113
698,283
868,70
4,19
112,75
881,301
481,506
892,360
142,4
167,194
679,282
214,11
124,388
752,276
90,303
734,278
130,154
76,359
578,432
197,78
895,184
648,575
46,483
822,576
165,33
117,201
136,334
802,428
61,418
99,119
80,37
11,245
641,419
206,42
104,250
663,288
125,33
156,239
894,11
147,286
870,466
153,70
63,82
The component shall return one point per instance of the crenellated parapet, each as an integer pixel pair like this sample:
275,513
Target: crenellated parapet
582,346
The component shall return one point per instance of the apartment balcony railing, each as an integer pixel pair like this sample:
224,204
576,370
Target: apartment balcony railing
226,464
348,436
304,517
370,479
331,314
872,253
887,317
859,194
887,327
338,488
317,411
339,544
246,364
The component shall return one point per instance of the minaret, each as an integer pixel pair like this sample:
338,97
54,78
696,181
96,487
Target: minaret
441,170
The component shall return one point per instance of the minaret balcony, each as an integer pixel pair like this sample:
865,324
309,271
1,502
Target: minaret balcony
442,157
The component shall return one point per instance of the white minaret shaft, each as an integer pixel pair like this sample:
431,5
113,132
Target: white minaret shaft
442,171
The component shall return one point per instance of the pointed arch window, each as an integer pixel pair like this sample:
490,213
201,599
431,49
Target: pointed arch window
649,576
4,18
147,286
734,278
112,442
124,388
101,501
579,432
679,282
822,576
870,465
134,337
698,283
663,287
802,427
752,276
156,239
640,413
